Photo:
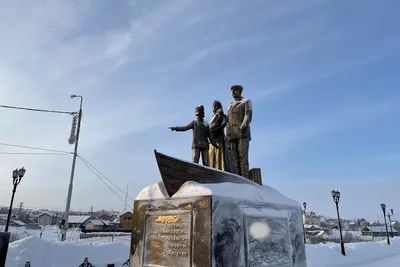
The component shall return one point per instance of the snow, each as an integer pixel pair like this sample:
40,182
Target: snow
367,254
230,190
259,213
154,191
49,252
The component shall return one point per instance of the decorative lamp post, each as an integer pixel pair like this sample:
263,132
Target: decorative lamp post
383,206
336,197
390,214
17,175
304,221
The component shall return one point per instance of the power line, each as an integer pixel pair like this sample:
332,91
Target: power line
101,179
32,153
105,177
93,169
38,110
36,148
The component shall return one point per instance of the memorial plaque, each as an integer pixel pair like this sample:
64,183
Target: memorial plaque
168,239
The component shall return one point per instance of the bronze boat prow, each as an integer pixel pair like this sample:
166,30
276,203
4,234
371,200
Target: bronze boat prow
175,172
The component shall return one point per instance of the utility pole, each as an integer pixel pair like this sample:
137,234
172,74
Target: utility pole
69,196
21,205
126,200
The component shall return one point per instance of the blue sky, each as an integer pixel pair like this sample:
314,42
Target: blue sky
322,74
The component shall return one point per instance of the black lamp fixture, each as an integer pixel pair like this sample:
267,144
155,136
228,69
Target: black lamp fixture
389,215
383,207
17,175
303,220
336,198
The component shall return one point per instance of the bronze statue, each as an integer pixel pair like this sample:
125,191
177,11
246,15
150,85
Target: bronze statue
220,157
240,113
201,136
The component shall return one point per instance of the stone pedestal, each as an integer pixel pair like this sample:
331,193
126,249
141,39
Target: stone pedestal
218,225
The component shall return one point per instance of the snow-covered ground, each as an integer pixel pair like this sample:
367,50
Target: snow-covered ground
49,252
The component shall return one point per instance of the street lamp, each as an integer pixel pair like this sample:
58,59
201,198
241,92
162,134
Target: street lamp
17,175
304,218
383,206
336,197
390,214
71,181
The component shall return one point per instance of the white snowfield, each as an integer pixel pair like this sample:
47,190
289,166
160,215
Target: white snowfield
45,253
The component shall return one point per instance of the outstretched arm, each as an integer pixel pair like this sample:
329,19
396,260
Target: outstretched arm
182,128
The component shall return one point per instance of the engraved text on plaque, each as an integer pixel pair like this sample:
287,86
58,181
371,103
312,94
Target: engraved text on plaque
168,239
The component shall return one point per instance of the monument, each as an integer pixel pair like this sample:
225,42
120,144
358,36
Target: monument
201,136
240,115
220,157
201,216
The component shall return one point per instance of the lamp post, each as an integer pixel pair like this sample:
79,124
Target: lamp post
383,206
304,221
336,197
71,181
390,214
17,175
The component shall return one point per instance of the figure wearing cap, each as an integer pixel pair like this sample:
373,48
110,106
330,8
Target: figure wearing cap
240,114
201,136
86,263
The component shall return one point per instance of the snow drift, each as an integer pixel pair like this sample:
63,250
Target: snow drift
42,253
55,254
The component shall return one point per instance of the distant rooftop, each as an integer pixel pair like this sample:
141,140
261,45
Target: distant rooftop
47,213
78,218
378,228
100,222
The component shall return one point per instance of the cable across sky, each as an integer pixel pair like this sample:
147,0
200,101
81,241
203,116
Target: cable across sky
38,110
55,152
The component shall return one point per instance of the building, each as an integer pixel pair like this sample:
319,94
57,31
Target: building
396,225
377,231
95,225
98,224
126,221
312,219
47,218
14,222
78,221
345,225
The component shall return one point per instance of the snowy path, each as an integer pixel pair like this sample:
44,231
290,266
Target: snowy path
384,261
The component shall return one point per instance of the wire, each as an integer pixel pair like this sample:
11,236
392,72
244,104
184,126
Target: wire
105,177
32,153
101,179
38,110
36,148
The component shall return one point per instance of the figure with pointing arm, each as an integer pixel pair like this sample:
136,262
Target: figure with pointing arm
201,136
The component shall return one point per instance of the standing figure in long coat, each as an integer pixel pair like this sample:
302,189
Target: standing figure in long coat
240,114
219,157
